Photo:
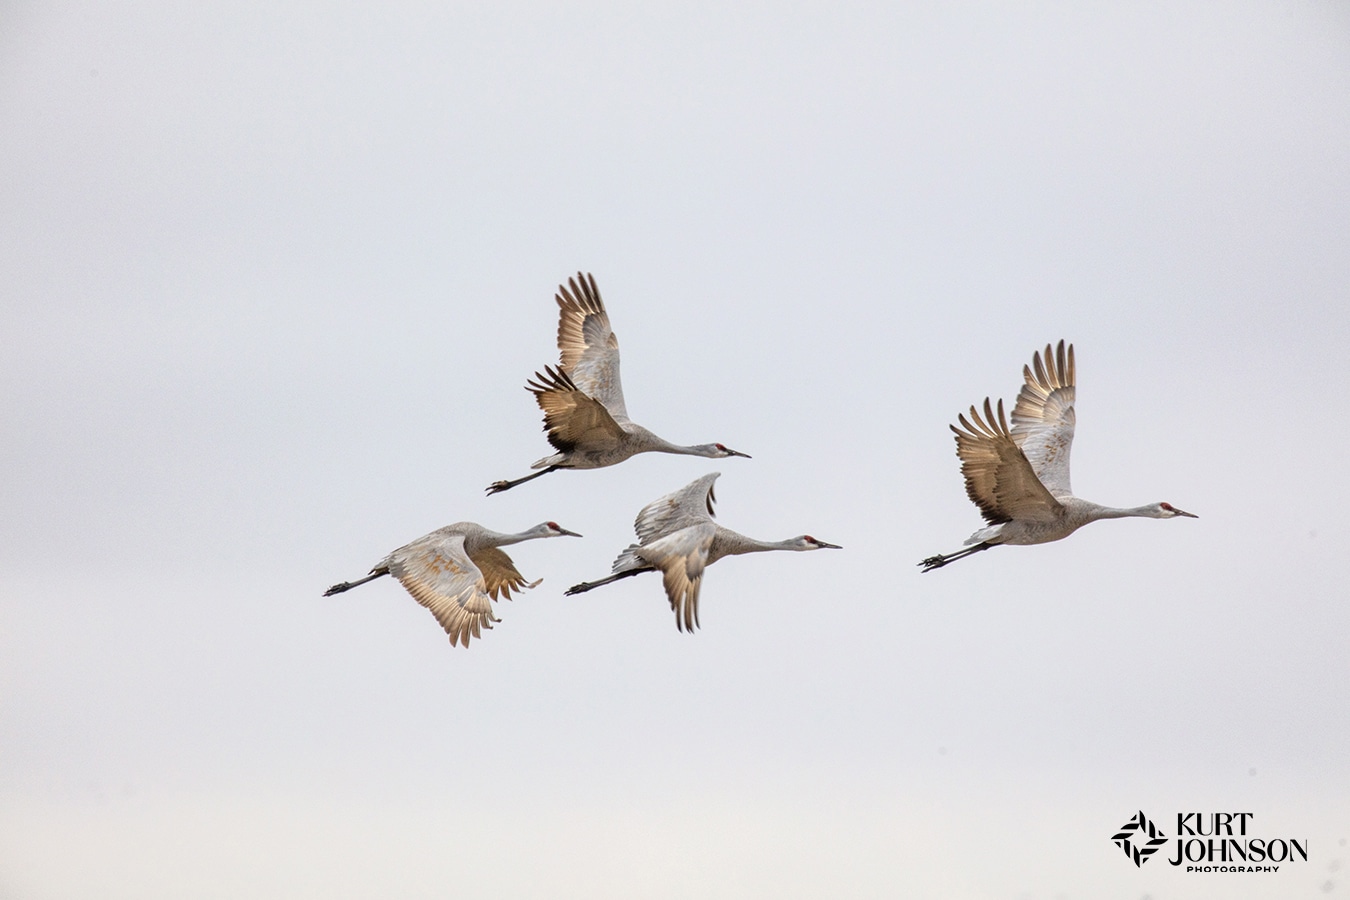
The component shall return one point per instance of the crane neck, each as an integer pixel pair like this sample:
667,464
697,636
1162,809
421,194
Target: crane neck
536,532
648,440
665,446
730,543
488,538
1096,511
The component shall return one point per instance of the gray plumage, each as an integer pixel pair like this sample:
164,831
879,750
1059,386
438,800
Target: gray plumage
1019,477
456,572
678,537
582,399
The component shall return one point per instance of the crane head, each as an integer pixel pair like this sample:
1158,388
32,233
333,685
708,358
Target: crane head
722,450
1168,511
807,542
553,529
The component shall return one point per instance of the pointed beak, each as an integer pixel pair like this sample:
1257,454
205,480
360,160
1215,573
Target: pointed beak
1182,512
828,546
731,452
570,533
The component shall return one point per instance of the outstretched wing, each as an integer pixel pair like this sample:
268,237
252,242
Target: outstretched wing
586,344
690,505
571,418
1043,418
500,575
440,576
999,479
682,557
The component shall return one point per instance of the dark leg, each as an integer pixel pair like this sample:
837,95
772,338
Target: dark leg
937,562
587,585
348,585
498,486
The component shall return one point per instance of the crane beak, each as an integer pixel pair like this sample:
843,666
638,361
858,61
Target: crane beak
1182,512
731,452
570,533
828,546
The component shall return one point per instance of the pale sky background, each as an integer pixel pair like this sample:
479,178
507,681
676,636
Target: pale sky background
273,280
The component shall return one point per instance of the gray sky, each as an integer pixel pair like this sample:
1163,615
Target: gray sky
272,281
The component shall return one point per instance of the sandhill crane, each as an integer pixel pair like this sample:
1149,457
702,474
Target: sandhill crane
677,535
455,570
582,398
1020,478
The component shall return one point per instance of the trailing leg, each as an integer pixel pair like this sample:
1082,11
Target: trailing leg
937,562
588,585
348,585
498,486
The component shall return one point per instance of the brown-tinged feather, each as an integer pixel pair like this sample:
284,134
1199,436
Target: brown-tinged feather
499,573
571,418
999,479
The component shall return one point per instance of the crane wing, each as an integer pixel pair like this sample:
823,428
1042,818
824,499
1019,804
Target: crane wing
440,576
572,418
999,479
500,576
587,347
690,505
1043,419
682,556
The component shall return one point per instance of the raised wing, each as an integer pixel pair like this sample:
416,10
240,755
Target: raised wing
499,573
440,576
999,479
682,557
587,346
1043,419
690,505
572,418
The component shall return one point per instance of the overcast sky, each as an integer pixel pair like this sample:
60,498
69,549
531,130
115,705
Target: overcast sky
272,281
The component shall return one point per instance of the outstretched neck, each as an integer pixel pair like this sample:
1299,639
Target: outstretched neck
488,538
1111,512
753,546
645,440
729,543
661,445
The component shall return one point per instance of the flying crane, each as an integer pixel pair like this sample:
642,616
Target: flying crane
1019,477
678,537
582,399
456,572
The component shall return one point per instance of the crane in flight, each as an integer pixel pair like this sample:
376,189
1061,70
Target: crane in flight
456,572
1019,478
678,537
582,399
